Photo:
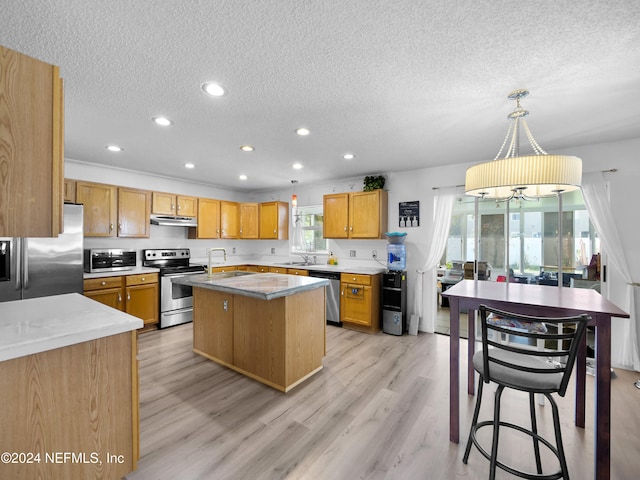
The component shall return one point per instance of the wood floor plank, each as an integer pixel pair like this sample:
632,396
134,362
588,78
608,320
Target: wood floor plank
378,410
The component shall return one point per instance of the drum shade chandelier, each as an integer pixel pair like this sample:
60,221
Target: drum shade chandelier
523,177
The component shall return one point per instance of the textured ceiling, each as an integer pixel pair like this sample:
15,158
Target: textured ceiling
401,84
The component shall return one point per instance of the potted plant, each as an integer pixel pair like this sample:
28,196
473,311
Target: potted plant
373,183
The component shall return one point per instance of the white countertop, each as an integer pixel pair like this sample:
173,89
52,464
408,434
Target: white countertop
264,286
134,271
41,324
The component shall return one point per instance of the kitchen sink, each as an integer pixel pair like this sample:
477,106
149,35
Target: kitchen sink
294,263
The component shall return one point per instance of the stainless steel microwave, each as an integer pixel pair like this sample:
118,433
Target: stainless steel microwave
109,260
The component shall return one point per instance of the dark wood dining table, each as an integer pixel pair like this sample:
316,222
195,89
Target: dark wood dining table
542,301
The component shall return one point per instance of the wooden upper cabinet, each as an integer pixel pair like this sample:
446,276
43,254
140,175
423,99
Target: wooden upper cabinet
249,225
208,219
229,219
134,208
163,203
368,214
170,204
336,215
99,202
69,190
274,220
31,146
187,206
355,215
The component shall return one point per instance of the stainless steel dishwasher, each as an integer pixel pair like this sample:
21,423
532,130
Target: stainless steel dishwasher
332,295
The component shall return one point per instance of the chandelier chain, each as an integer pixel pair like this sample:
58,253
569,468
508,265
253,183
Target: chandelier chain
504,142
536,147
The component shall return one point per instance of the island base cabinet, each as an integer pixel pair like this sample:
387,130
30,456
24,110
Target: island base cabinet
279,342
213,325
80,400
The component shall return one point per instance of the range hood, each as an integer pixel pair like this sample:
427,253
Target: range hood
174,221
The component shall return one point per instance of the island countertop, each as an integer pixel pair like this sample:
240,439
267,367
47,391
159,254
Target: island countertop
40,324
263,286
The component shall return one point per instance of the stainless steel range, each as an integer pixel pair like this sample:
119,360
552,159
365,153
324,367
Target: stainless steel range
176,301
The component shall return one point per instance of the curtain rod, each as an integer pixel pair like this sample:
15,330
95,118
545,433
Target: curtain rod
446,186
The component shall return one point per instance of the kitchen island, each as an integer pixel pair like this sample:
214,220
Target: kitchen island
270,327
69,389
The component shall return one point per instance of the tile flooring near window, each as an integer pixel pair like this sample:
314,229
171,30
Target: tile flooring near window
378,410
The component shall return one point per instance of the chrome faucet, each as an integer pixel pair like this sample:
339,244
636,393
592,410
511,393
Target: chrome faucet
304,256
224,252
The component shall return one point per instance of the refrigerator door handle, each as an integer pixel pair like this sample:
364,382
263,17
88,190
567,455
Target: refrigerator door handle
25,263
17,242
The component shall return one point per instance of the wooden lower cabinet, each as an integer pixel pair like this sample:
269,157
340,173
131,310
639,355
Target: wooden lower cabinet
360,302
213,329
298,271
80,399
136,295
141,295
278,342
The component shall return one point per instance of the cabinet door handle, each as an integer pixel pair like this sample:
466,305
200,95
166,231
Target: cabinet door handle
128,297
111,227
345,228
342,292
225,305
119,298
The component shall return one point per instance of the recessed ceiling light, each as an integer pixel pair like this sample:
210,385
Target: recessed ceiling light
164,121
114,148
303,131
297,166
246,148
349,156
189,165
242,177
213,89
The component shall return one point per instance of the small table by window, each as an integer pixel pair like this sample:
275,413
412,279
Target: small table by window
539,300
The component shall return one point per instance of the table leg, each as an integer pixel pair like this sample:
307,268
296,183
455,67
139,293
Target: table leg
454,370
471,373
602,421
581,382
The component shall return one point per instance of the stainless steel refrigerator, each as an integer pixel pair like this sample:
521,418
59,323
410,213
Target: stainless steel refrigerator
40,267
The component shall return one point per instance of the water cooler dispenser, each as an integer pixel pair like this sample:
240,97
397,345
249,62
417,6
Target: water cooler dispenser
394,302
394,286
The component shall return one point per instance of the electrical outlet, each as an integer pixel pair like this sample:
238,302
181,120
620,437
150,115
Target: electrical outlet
352,253
374,254
273,251
233,250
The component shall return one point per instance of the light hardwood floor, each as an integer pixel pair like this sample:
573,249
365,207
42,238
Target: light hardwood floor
378,410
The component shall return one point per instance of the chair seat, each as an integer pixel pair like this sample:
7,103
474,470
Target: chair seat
530,382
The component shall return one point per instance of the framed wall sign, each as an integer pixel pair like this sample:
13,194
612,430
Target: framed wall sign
409,214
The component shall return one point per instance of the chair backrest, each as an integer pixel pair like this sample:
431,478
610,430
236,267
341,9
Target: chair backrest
560,336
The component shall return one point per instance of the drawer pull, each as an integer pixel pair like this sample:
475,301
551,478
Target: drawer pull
143,279
103,283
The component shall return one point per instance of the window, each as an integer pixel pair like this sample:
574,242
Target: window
532,236
307,230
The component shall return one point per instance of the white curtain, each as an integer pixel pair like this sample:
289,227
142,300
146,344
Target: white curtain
427,275
596,199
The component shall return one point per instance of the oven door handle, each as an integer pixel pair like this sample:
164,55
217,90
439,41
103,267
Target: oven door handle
173,275
177,312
